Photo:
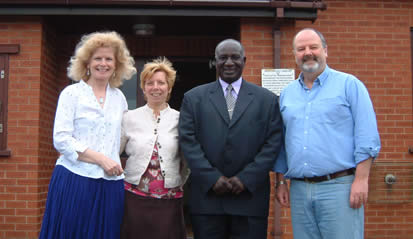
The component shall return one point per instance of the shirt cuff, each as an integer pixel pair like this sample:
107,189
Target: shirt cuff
366,152
72,154
78,147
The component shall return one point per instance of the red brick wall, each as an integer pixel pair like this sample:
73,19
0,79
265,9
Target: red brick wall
19,207
370,39
33,91
257,39
49,90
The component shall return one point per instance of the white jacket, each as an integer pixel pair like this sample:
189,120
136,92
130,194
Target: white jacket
140,131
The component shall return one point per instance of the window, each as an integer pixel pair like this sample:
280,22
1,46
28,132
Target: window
131,88
5,50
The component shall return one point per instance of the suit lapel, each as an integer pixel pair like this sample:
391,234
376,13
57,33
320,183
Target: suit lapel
216,96
244,98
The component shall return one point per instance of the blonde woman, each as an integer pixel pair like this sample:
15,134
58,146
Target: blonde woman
86,195
154,172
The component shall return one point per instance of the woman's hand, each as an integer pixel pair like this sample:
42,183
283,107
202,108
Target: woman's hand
111,167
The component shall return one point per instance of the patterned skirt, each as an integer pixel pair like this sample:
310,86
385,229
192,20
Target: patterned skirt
81,207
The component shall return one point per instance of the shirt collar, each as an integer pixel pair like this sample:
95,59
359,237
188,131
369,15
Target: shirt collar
83,83
161,113
321,78
236,85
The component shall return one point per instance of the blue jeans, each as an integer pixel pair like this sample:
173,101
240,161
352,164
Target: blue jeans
322,210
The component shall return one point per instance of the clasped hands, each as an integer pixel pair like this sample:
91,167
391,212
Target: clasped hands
228,185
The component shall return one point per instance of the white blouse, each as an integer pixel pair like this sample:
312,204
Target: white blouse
141,130
81,123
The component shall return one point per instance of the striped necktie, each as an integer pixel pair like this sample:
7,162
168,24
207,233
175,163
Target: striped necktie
230,99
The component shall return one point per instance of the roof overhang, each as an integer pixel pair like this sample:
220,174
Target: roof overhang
231,8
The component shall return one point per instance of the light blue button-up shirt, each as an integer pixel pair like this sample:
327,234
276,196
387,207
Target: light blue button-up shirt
328,128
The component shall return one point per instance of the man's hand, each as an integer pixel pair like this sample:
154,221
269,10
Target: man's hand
237,185
282,195
281,190
360,186
359,193
222,186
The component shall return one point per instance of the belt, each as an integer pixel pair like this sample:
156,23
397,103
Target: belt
318,179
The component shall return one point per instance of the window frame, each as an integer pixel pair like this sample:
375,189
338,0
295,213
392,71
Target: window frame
410,149
5,51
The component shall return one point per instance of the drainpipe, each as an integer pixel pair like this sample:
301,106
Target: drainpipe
277,64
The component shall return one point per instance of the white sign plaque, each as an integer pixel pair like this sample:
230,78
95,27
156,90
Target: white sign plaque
276,79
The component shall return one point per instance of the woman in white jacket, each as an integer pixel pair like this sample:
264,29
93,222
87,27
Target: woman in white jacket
155,172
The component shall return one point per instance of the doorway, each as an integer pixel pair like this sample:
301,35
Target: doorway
190,73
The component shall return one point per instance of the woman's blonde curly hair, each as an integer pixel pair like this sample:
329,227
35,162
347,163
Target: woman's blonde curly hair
125,64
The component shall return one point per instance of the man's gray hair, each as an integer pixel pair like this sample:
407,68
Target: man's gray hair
323,40
226,41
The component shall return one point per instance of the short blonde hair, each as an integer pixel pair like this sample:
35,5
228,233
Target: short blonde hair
159,64
125,64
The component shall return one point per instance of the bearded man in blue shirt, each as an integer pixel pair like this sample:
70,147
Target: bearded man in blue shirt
331,139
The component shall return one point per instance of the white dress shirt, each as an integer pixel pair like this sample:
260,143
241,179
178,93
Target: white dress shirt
141,130
81,123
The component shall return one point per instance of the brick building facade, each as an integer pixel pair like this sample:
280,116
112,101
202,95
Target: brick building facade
371,39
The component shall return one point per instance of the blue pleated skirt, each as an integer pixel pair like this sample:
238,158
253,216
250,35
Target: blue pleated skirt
82,208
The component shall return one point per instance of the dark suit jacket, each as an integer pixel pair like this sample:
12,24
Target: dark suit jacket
247,147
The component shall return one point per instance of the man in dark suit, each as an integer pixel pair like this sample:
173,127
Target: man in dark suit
230,150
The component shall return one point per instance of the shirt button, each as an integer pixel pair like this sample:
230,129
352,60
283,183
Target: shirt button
305,164
305,147
305,132
309,103
306,117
